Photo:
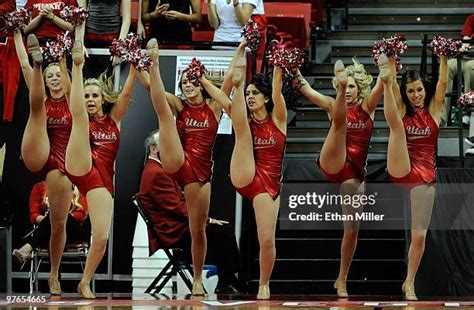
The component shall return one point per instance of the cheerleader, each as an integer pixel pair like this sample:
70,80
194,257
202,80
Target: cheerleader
413,115
343,157
96,111
186,146
45,140
255,167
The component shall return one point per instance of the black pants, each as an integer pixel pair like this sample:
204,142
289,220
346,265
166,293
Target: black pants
222,251
42,234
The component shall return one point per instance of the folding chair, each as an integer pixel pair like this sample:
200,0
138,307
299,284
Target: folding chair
174,267
73,253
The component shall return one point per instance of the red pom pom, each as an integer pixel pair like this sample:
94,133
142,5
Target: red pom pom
13,21
392,47
289,59
143,62
466,101
128,50
122,47
195,70
445,47
53,51
116,48
252,35
74,15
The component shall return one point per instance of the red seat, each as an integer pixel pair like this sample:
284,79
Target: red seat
134,17
202,35
292,18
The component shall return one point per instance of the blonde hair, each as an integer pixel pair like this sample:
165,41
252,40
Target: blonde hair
362,78
75,198
51,64
106,85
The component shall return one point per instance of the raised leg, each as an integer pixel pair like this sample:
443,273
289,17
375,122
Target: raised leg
398,160
333,152
78,152
35,143
171,150
242,164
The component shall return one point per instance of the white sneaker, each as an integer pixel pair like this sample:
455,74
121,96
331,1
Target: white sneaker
469,141
469,152
466,120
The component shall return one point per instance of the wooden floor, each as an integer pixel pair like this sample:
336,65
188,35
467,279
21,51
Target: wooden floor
127,301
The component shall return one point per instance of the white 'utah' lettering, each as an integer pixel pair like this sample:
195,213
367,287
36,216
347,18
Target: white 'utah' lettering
57,122
358,125
414,131
190,122
270,141
103,136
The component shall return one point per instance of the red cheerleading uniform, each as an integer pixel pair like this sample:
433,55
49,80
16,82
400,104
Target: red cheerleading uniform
59,124
104,136
9,76
7,6
9,66
261,21
269,147
197,128
48,29
359,131
422,136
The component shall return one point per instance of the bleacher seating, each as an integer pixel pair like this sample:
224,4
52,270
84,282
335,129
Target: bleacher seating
368,20
292,18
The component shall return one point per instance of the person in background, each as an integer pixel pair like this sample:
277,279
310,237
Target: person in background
9,67
223,19
39,216
170,21
467,70
253,9
108,20
45,21
162,199
467,67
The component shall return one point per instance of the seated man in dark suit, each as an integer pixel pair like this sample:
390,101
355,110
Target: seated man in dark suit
163,200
